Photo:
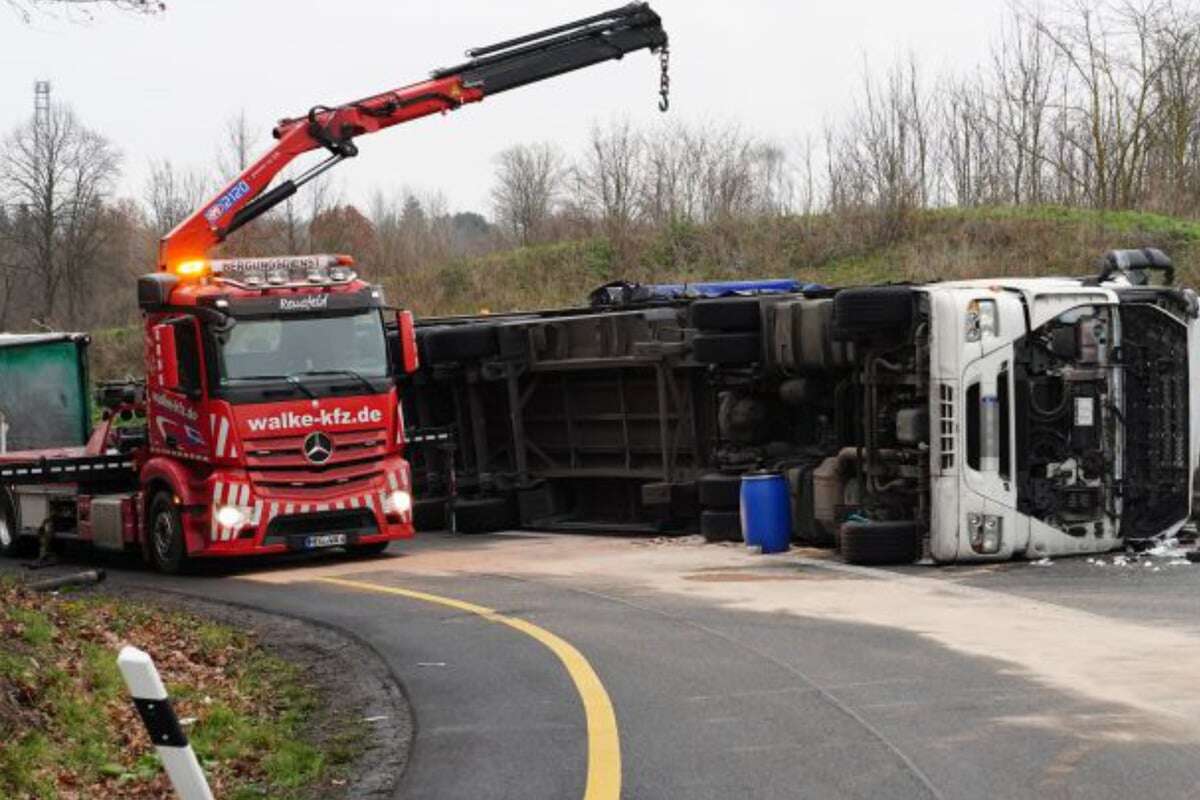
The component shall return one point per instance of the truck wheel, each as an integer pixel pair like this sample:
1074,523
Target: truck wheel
879,543
726,314
721,526
168,551
483,515
720,492
371,549
727,348
461,343
873,312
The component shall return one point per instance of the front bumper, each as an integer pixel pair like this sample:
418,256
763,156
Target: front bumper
277,524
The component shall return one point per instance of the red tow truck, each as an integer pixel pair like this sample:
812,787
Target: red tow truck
269,419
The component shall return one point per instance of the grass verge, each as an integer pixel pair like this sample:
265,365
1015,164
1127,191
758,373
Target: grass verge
68,729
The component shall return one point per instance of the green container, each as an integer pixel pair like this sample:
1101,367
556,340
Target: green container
44,399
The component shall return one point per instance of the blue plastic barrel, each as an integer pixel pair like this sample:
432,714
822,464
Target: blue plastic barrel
766,511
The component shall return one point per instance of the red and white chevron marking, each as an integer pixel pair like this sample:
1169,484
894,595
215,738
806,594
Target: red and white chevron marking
222,436
256,511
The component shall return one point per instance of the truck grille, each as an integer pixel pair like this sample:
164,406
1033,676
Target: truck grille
1157,421
947,430
279,463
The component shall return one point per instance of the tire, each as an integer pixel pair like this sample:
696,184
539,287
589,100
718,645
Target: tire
879,543
726,314
460,343
12,543
429,515
721,526
727,348
371,549
720,492
873,312
483,515
168,550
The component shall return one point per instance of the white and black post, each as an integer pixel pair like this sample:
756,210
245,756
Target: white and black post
154,707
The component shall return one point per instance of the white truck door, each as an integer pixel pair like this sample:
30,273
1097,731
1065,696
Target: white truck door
988,431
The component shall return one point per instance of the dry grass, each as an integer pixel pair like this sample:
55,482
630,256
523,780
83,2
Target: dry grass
69,730
836,250
843,249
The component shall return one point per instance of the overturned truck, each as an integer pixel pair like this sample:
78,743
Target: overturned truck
955,421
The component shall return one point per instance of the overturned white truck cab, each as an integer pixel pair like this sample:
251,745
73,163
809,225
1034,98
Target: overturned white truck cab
952,421
1044,416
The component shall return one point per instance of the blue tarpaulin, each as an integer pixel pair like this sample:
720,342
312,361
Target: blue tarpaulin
731,288
620,293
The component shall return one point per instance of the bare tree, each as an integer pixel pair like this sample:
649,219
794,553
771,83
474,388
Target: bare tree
171,194
1110,58
25,9
883,154
528,182
237,146
58,173
1023,69
1174,165
608,178
8,266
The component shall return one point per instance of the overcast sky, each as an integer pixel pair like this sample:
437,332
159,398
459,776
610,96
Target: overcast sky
162,87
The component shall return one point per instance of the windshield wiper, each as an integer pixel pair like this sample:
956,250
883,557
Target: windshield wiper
294,380
228,378
370,387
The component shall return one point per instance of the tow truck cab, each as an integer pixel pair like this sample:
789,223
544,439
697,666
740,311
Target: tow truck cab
268,421
272,411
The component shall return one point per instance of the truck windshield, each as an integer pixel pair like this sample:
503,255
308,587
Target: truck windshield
351,344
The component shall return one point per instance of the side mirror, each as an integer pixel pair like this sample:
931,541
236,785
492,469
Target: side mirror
154,291
166,366
409,361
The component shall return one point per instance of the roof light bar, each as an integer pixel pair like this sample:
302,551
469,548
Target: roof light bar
192,269
257,273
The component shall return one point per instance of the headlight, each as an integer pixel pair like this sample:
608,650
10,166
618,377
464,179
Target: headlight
398,502
230,516
986,533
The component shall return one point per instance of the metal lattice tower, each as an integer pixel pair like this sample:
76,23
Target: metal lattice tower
41,104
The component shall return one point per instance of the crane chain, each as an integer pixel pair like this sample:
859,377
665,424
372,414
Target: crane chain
664,83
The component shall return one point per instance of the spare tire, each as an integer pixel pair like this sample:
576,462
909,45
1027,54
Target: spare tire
460,343
879,543
873,312
726,314
721,526
727,348
719,491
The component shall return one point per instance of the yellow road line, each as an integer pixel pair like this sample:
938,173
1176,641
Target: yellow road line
604,745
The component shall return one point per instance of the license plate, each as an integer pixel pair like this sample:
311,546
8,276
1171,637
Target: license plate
325,540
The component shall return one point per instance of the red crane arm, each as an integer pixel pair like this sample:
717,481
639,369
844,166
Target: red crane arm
491,70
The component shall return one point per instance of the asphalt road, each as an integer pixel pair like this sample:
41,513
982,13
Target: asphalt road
737,676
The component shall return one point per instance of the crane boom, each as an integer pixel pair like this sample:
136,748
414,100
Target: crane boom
490,70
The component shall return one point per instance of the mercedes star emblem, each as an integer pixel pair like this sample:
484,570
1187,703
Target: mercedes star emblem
318,448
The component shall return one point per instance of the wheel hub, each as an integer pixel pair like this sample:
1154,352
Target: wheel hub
163,534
